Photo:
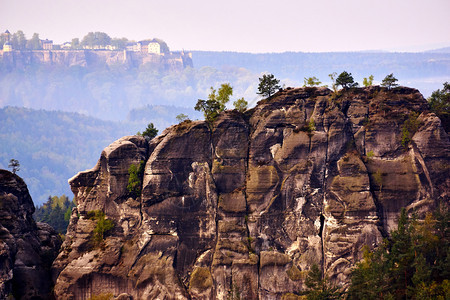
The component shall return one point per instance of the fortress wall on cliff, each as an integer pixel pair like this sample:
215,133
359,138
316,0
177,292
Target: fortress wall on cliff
92,58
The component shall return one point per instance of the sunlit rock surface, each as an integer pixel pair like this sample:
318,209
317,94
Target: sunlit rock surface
248,204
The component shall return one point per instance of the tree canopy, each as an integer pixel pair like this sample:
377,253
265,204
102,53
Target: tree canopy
14,165
97,38
268,85
56,212
440,104
240,105
345,80
389,81
311,81
216,102
150,132
368,81
413,264
318,286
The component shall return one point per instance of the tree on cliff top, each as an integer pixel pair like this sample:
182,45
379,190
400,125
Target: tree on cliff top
150,132
311,81
14,165
93,39
345,80
268,85
216,102
389,81
440,104
34,43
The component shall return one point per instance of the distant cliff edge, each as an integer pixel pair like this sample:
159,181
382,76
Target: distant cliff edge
94,58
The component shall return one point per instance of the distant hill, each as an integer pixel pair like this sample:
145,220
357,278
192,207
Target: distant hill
440,50
52,146
425,71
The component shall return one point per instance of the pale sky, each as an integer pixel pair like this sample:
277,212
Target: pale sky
241,25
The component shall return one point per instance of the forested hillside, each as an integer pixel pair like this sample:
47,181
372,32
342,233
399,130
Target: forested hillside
52,146
110,92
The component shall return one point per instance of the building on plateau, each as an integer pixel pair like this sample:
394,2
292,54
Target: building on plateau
7,47
6,36
154,47
47,44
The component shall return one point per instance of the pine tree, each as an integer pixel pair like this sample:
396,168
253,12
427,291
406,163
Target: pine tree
268,85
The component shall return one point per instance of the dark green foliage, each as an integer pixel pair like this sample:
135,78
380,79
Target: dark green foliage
346,80
389,81
55,212
102,227
409,128
14,165
318,286
135,178
210,109
150,132
440,104
268,85
413,264
53,146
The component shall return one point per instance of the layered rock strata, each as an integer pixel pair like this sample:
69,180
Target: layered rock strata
27,248
246,205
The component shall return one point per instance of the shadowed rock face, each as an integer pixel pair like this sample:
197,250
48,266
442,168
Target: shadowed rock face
250,203
27,248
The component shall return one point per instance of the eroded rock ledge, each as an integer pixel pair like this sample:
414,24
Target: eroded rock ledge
27,248
306,177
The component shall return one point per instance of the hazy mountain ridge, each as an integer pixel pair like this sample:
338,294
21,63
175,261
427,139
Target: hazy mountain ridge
426,70
52,145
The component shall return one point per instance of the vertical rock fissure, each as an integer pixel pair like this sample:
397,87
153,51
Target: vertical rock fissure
324,186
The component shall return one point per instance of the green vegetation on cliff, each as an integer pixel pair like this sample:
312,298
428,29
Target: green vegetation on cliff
440,105
56,212
413,264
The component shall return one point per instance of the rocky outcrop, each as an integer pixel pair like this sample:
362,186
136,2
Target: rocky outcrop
27,248
246,206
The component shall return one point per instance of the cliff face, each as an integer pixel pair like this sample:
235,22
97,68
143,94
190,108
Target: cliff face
250,203
93,58
27,248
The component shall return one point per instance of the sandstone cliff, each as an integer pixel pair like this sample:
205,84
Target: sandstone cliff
27,248
247,205
93,58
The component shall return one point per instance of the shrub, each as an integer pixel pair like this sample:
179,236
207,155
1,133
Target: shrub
200,279
409,128
135,178
102,227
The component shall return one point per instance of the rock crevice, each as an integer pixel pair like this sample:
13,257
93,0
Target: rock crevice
248,204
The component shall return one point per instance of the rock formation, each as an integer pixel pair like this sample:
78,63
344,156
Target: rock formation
248,204
27,248
94,58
